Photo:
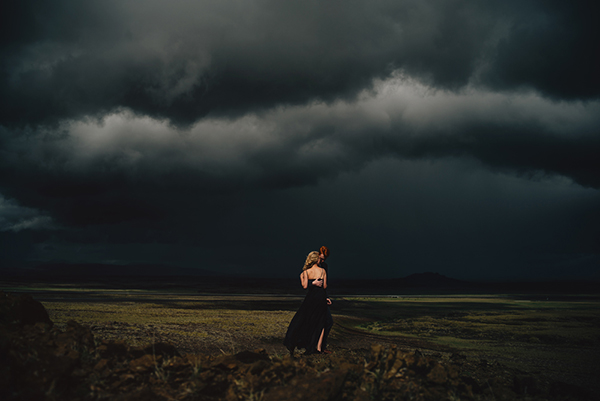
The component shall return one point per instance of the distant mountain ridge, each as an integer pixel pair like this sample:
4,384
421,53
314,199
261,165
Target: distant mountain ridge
429,279
102,269
155,276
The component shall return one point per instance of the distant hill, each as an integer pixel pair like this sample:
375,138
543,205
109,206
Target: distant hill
155,276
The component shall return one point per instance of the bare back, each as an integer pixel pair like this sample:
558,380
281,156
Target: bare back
314,273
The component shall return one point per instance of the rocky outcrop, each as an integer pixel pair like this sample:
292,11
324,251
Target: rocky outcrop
42,362
20,310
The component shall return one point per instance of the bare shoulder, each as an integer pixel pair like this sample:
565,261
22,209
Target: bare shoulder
312,273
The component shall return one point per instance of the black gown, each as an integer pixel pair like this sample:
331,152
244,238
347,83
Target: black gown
308,323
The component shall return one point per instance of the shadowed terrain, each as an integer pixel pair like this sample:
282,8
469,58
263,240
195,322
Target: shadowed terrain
547,341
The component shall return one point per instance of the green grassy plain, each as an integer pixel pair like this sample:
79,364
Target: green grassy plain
555,336
559,337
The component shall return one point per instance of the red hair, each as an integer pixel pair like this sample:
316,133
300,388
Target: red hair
325,251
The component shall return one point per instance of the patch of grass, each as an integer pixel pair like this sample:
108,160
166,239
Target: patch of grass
472,317
521,334
190,325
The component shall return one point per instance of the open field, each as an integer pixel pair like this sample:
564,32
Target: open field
553,337
557,338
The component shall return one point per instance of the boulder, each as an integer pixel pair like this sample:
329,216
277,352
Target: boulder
22,310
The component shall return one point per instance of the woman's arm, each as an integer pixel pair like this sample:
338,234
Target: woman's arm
324,279
304,279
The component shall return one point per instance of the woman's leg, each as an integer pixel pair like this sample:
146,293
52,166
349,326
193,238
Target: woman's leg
320,340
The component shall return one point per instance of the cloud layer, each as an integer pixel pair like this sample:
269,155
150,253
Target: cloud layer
143,126
187,59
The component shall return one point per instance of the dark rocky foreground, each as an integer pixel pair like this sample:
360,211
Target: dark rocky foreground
42,362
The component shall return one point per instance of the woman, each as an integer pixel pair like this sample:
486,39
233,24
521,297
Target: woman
307,326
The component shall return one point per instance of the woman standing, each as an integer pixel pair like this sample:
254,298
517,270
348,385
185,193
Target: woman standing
308,324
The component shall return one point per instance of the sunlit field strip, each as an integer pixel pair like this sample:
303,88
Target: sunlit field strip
182,323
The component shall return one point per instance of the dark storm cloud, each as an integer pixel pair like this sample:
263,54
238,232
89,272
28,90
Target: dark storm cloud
17,218
225,131
396,217
184,59
549,47
130,168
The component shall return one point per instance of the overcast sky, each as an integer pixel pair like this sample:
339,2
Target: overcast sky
459,137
